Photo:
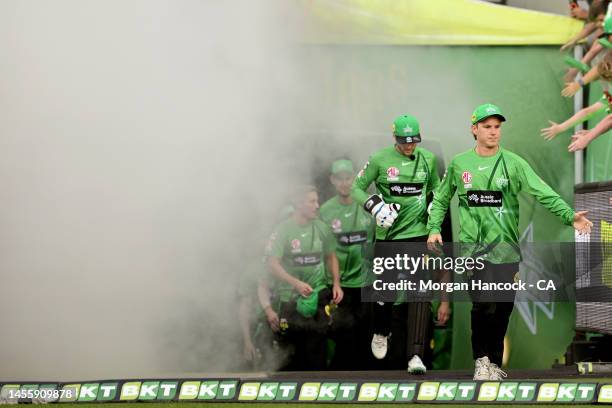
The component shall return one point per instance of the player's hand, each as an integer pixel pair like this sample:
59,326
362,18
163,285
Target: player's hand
570,89
549,133
337,293
384,213
303,288
248,351
567,46
581,223
579,141
273,320
570,75
443,313
434,241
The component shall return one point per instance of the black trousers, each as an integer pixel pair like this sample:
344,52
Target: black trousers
410,323
490,319
306,337
347,329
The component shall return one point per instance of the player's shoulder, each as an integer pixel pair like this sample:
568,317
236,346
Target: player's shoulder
513,158
461,157
329,205
382,154
427,154
320,225
284,225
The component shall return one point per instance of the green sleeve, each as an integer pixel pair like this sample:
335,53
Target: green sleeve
363,180
434,178
532,183
441,201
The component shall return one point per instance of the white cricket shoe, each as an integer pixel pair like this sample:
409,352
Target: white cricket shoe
416,366
379,346
496,373
481,372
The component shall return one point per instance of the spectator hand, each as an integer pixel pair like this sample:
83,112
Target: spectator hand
579,141
567,46
570,89
581,223
549,133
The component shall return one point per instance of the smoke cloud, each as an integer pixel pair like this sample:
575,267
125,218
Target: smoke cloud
146,148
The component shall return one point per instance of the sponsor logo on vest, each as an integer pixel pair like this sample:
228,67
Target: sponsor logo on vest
352,238
406,189
484,198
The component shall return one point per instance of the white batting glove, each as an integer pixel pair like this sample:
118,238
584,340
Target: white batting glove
384,213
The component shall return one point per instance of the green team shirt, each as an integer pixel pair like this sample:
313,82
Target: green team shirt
488,189
402,181
352,226
301,250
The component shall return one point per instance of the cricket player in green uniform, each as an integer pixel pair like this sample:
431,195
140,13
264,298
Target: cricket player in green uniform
297,254
488,180
404,175
353,228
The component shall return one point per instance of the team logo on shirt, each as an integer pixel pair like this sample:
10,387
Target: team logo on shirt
296,245
336,225
501,182
392,173
467,177
420,175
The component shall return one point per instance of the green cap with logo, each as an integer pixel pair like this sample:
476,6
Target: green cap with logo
406,129
342,166
484,111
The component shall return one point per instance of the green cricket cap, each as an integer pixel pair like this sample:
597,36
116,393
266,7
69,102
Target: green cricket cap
406,129
342,166
484,111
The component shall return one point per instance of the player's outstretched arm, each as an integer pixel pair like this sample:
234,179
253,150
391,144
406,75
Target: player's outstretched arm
531,183
582,223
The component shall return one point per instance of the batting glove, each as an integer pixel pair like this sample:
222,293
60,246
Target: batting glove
384,213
